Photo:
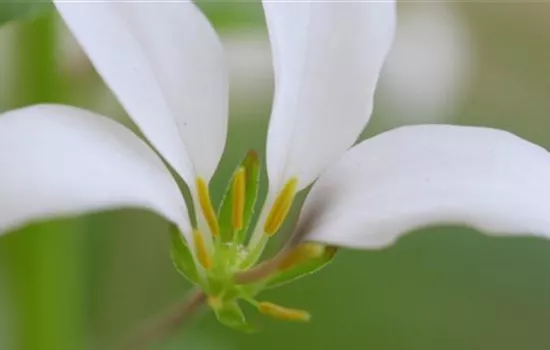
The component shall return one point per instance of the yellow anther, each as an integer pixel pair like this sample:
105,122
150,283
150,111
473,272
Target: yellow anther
281,207
283,313
206,206
238,188
200,250
302,253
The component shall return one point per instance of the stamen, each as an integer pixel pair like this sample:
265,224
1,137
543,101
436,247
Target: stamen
283,313
302,253
206,206
281,207
200,250
238,193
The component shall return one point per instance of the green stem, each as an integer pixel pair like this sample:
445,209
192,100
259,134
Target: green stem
45,258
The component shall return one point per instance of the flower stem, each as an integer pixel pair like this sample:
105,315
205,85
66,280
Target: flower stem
164,325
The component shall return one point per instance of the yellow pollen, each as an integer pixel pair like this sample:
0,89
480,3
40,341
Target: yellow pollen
238,189
283,313
281,207
206,206
302,253
200,249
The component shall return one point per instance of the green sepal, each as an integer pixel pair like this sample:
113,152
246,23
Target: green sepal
300,270
251,164
182,256
230,314
19,10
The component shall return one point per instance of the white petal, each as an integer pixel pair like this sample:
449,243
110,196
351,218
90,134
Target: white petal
57,161
165,64
327,58
417,176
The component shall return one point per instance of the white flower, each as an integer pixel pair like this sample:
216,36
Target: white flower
164,63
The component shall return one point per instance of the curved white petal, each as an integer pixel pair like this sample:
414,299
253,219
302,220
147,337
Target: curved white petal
418,176
165,64
57,161
327,58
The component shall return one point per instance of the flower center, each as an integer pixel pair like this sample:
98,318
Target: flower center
224,246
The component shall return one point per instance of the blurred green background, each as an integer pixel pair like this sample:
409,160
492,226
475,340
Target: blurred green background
82,283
